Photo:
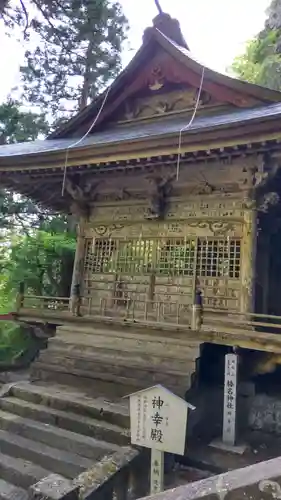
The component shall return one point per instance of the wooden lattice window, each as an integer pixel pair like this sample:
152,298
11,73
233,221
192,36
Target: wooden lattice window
218,258
210,257
135,256
176,257
99,255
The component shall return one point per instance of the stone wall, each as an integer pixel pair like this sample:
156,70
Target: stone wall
265,414
257,482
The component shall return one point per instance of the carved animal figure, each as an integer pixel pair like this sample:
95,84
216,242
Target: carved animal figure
162,189
81,194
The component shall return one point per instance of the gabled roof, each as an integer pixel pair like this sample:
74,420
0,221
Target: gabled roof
166,35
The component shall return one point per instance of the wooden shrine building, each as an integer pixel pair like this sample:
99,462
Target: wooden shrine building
173,175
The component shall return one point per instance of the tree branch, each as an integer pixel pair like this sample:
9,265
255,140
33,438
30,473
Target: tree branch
26,16
55,30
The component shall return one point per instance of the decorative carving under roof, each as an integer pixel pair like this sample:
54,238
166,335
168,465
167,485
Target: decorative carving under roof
160,103
83,193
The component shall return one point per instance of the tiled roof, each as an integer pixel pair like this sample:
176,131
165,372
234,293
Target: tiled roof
160,128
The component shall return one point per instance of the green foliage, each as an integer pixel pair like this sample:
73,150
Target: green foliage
14,342
77,54
19,126
42,259
73,51
261,62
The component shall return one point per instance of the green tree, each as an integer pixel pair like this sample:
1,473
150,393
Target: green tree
261,62
17,125
42,259
78,53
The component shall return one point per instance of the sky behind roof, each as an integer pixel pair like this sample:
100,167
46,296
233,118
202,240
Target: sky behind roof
215,30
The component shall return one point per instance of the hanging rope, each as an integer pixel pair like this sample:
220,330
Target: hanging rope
81,139
186,127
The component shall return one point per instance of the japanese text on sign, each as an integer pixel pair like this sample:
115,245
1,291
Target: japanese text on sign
158,420
230,386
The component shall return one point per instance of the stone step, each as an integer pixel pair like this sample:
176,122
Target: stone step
175,345
20,472
62,439
97,429
58,461
118,365
137,379
51,374
10,492
73,402
128,357
130,342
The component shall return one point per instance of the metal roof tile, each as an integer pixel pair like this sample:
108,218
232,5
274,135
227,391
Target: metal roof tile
161,127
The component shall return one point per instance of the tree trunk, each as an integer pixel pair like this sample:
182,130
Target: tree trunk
3,5
87,80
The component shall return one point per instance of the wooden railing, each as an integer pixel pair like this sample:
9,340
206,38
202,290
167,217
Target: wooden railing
248,330
169,312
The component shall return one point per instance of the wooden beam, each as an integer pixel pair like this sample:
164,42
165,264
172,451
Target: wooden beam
230,336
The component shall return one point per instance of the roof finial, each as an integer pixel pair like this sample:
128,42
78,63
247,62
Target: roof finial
157,3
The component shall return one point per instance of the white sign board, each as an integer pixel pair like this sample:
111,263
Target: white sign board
158,420
230,390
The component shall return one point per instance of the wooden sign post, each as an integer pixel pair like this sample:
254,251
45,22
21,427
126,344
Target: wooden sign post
230,396
158,421
229,438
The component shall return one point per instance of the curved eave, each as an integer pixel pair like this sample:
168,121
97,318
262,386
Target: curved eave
163,144
186,57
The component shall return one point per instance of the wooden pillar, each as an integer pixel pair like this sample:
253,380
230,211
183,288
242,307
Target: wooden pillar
264,265
248,259
77,275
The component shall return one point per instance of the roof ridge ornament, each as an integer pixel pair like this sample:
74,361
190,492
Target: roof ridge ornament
168,26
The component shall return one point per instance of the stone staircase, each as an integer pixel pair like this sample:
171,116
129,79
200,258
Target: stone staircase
117,360
71,416
46,430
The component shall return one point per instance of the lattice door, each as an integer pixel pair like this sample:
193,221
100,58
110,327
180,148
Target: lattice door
128,268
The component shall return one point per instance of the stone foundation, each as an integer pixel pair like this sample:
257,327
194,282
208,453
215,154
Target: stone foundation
116,361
